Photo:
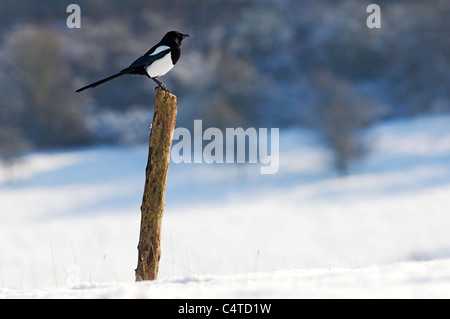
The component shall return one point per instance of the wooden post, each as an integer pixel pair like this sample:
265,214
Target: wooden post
152,209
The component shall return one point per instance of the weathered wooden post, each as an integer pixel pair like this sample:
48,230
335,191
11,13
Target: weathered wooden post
152,209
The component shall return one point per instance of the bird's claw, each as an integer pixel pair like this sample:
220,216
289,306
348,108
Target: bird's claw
163,87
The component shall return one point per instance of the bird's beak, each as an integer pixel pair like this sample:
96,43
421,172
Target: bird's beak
185,36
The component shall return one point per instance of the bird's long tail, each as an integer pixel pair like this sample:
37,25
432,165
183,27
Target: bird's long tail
109,78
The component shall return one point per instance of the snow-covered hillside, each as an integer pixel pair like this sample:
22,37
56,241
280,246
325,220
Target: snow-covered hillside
69,222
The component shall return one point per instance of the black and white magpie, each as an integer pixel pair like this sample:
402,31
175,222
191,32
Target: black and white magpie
159,60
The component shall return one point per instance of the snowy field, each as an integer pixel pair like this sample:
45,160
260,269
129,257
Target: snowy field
69,223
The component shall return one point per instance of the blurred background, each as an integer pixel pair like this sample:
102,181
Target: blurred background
312,64
363,117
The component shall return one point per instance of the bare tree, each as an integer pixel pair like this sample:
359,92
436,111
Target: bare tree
12,145
341,113
50,115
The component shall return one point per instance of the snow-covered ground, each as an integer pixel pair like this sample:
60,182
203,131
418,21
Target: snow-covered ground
69,222
400,280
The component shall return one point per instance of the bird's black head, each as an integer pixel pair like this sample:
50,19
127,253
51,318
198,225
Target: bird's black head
173,37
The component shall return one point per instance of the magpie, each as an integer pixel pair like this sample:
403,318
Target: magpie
159,60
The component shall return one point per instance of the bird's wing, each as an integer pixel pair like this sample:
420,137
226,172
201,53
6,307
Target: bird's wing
145,61
153,49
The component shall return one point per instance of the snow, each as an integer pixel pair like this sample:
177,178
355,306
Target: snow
69,222
406,280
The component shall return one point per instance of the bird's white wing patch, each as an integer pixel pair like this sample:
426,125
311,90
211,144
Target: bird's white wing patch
160,49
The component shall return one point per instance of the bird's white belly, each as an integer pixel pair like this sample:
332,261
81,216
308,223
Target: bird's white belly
160,67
